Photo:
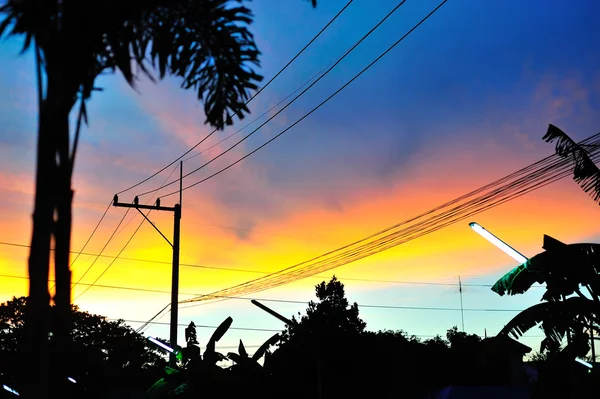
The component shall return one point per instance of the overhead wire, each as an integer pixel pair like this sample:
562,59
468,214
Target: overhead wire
540,174
288,301
123,248
87,241
340,59
232,269
229,118
150,200
201,141
102,250
264,113
113,261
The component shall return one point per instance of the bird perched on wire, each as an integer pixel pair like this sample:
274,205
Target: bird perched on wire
136,200
158,202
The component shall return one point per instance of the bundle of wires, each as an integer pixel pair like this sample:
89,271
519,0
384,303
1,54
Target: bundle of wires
515,185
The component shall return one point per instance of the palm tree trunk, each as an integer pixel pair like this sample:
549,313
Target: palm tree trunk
52,216
39,259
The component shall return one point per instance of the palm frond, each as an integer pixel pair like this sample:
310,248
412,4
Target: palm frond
208,46
31,19
585,172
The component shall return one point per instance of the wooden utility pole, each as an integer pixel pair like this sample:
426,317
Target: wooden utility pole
175,245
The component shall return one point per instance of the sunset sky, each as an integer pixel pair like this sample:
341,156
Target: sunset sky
464,100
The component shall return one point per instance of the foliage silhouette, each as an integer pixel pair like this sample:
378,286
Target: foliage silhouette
566,270
205,44
329,346
100,349
244,362
585,173
195,373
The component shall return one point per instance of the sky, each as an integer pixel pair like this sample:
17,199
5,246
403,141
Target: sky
462,101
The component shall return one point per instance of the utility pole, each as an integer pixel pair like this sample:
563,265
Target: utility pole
175,245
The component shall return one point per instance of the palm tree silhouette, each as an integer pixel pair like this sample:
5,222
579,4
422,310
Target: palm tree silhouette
204,43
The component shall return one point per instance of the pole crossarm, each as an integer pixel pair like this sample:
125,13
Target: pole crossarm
141,206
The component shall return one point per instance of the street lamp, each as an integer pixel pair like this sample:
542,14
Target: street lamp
510,251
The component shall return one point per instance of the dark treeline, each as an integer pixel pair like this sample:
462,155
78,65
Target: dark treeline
327,352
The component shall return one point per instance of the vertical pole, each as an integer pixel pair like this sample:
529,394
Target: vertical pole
462,312
175,277
592,343
180,183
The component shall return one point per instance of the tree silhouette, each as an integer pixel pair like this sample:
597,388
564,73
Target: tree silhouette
566,270
204,43
321,344
100,349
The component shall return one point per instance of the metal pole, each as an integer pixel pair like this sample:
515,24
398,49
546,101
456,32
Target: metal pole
175,277
273,313
592,343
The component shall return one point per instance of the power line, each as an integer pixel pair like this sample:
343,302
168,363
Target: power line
341,278
149,201
350,50
114,260
87,204
270,330
198,325
305,115
163,185
229,118
102,250
126,244
513,186
117,287
87,242
149,260
264,113
288,301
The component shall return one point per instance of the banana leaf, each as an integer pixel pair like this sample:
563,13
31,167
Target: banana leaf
242,350
555,319
235,357
217,335
562,267
264,347
517,281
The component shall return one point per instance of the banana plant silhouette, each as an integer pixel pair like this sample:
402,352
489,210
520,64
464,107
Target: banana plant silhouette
567,271
243,362
194,367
